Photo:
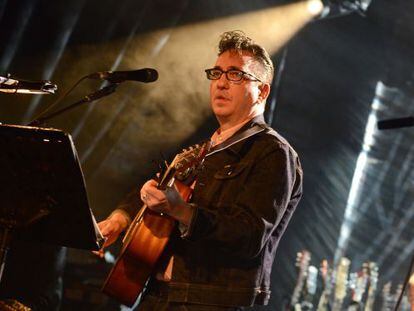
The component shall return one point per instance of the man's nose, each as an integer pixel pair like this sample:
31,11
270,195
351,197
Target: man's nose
223,82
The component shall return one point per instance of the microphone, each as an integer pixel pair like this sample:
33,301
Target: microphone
141,75
10,85
395,123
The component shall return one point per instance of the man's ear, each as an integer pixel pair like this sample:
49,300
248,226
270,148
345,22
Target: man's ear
264,91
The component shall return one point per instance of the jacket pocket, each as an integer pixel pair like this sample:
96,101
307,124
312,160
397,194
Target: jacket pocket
230,171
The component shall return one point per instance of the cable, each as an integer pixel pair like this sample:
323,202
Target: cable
41,114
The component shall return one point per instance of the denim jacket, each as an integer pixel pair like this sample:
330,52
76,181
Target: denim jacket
245,195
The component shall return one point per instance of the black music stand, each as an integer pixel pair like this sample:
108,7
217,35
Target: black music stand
42,190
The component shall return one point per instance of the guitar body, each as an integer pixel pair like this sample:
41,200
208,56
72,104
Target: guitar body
143,245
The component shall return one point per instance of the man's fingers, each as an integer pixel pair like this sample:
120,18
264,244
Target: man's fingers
150,194
99,253
103,227
106,228
150,184
155,193
110,229
157,197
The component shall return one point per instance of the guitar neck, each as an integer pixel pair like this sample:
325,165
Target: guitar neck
341,282
326,273
373,280
303,259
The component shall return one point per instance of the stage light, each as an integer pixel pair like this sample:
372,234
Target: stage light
315,7
336,8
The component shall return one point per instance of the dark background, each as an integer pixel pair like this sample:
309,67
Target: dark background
323,101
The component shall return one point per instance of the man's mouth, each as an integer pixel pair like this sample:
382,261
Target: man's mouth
221,97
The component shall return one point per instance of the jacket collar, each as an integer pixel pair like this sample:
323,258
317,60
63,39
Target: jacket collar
253,127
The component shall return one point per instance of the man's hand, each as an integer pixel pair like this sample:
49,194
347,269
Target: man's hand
168,202
111,228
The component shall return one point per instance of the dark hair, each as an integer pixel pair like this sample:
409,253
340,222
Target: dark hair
237,41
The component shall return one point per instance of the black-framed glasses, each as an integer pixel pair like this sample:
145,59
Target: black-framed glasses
231,74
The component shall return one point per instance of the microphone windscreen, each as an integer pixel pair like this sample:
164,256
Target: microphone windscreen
152,75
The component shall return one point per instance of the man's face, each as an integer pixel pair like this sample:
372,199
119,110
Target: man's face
234,102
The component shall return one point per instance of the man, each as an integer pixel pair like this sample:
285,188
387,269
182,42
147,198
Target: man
245,193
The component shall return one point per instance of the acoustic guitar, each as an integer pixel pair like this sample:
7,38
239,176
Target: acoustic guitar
149,233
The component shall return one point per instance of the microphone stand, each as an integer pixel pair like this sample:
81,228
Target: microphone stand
105,91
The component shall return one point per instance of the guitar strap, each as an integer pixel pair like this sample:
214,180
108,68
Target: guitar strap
255,129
